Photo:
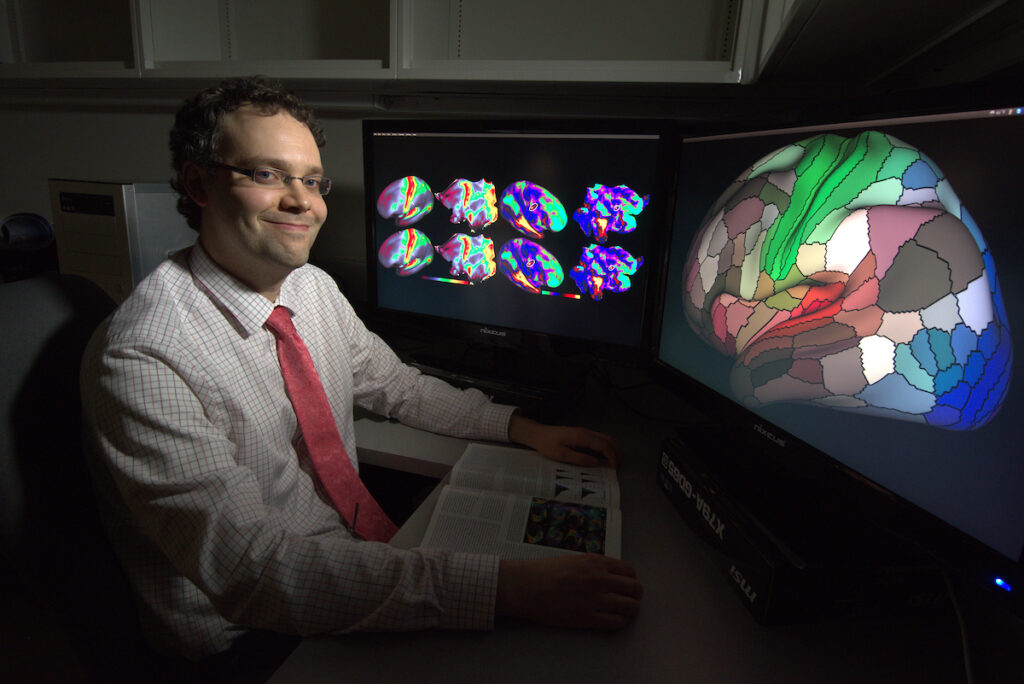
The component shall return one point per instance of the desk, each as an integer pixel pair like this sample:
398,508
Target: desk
691,626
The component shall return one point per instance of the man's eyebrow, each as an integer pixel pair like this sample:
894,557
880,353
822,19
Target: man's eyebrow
278,164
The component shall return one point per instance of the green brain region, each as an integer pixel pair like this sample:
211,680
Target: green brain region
844,272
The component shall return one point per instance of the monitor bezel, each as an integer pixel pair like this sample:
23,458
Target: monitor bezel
953,550
513,338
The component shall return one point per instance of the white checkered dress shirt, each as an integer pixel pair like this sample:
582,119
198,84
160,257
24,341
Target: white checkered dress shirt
205,484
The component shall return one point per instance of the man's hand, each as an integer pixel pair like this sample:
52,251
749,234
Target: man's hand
583,591
566,444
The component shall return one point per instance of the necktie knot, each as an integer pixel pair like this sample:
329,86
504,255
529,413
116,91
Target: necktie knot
280,322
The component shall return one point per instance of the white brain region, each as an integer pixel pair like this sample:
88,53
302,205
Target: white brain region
845,273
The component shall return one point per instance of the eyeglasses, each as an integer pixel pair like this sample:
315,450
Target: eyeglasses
270,177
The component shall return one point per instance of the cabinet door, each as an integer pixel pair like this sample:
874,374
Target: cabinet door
56,38
294,39
580,40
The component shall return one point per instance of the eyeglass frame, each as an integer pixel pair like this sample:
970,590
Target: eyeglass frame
323,184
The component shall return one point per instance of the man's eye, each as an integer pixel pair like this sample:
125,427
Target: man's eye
265,176
311,182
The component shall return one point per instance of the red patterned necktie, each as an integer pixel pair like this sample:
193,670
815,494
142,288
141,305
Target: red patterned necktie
340,480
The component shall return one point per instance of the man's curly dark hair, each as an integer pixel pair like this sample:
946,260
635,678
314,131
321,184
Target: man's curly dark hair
195,136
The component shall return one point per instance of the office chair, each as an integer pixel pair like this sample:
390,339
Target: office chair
52,537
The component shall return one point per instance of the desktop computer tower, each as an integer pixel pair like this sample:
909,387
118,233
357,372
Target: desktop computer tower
115,234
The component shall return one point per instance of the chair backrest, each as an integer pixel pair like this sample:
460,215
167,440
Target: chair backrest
52,536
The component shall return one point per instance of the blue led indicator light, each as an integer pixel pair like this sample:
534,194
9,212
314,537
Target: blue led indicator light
1002,584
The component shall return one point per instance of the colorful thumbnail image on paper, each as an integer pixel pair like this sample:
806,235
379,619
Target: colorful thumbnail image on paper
845,273
530,209
575,527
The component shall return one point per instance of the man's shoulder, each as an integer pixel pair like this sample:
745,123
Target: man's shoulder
156,303
313,283
309,274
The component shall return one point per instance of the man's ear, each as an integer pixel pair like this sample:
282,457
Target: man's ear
194,179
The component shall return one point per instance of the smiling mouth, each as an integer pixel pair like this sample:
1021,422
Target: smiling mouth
290,225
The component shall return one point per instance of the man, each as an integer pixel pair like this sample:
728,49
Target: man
210,495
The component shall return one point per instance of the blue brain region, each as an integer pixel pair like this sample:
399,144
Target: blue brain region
471,201
609,210
604,269
407,200
469,255
529,266
532,210
407,251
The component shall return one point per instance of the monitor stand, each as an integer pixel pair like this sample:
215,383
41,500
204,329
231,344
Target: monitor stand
541,387
530,375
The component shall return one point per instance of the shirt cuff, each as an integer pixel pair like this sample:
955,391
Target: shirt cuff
471,592
494,421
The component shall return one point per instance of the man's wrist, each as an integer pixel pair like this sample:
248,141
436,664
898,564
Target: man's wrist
520,429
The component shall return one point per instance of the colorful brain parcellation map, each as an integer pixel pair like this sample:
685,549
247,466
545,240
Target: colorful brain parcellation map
844,272
533,211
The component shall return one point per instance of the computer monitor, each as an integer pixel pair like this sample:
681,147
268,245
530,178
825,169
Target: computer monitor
841,298
523,236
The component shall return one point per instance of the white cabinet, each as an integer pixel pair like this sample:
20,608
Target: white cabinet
691,41
697,41
292,39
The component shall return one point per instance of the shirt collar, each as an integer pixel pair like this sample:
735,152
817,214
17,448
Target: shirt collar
249,308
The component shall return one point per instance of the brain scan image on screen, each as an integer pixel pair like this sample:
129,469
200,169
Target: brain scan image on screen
407,200
472,202
471,256
529,266
406,251
609,210
844,272
532,210
604,269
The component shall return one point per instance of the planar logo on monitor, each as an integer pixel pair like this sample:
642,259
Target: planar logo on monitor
492,331
771,436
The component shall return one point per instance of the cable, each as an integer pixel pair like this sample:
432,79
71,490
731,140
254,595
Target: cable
968,667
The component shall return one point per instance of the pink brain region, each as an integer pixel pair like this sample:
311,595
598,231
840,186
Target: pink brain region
604,269
609,210
472,202
532,210
407,200
529,266
471,256
407,251
845,273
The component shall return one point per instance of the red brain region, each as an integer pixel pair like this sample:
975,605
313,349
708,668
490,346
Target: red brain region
407,251
845,273
407,200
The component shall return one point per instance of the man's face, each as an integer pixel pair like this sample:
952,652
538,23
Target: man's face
259,234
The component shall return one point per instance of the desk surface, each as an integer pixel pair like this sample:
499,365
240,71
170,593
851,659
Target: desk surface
691,626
